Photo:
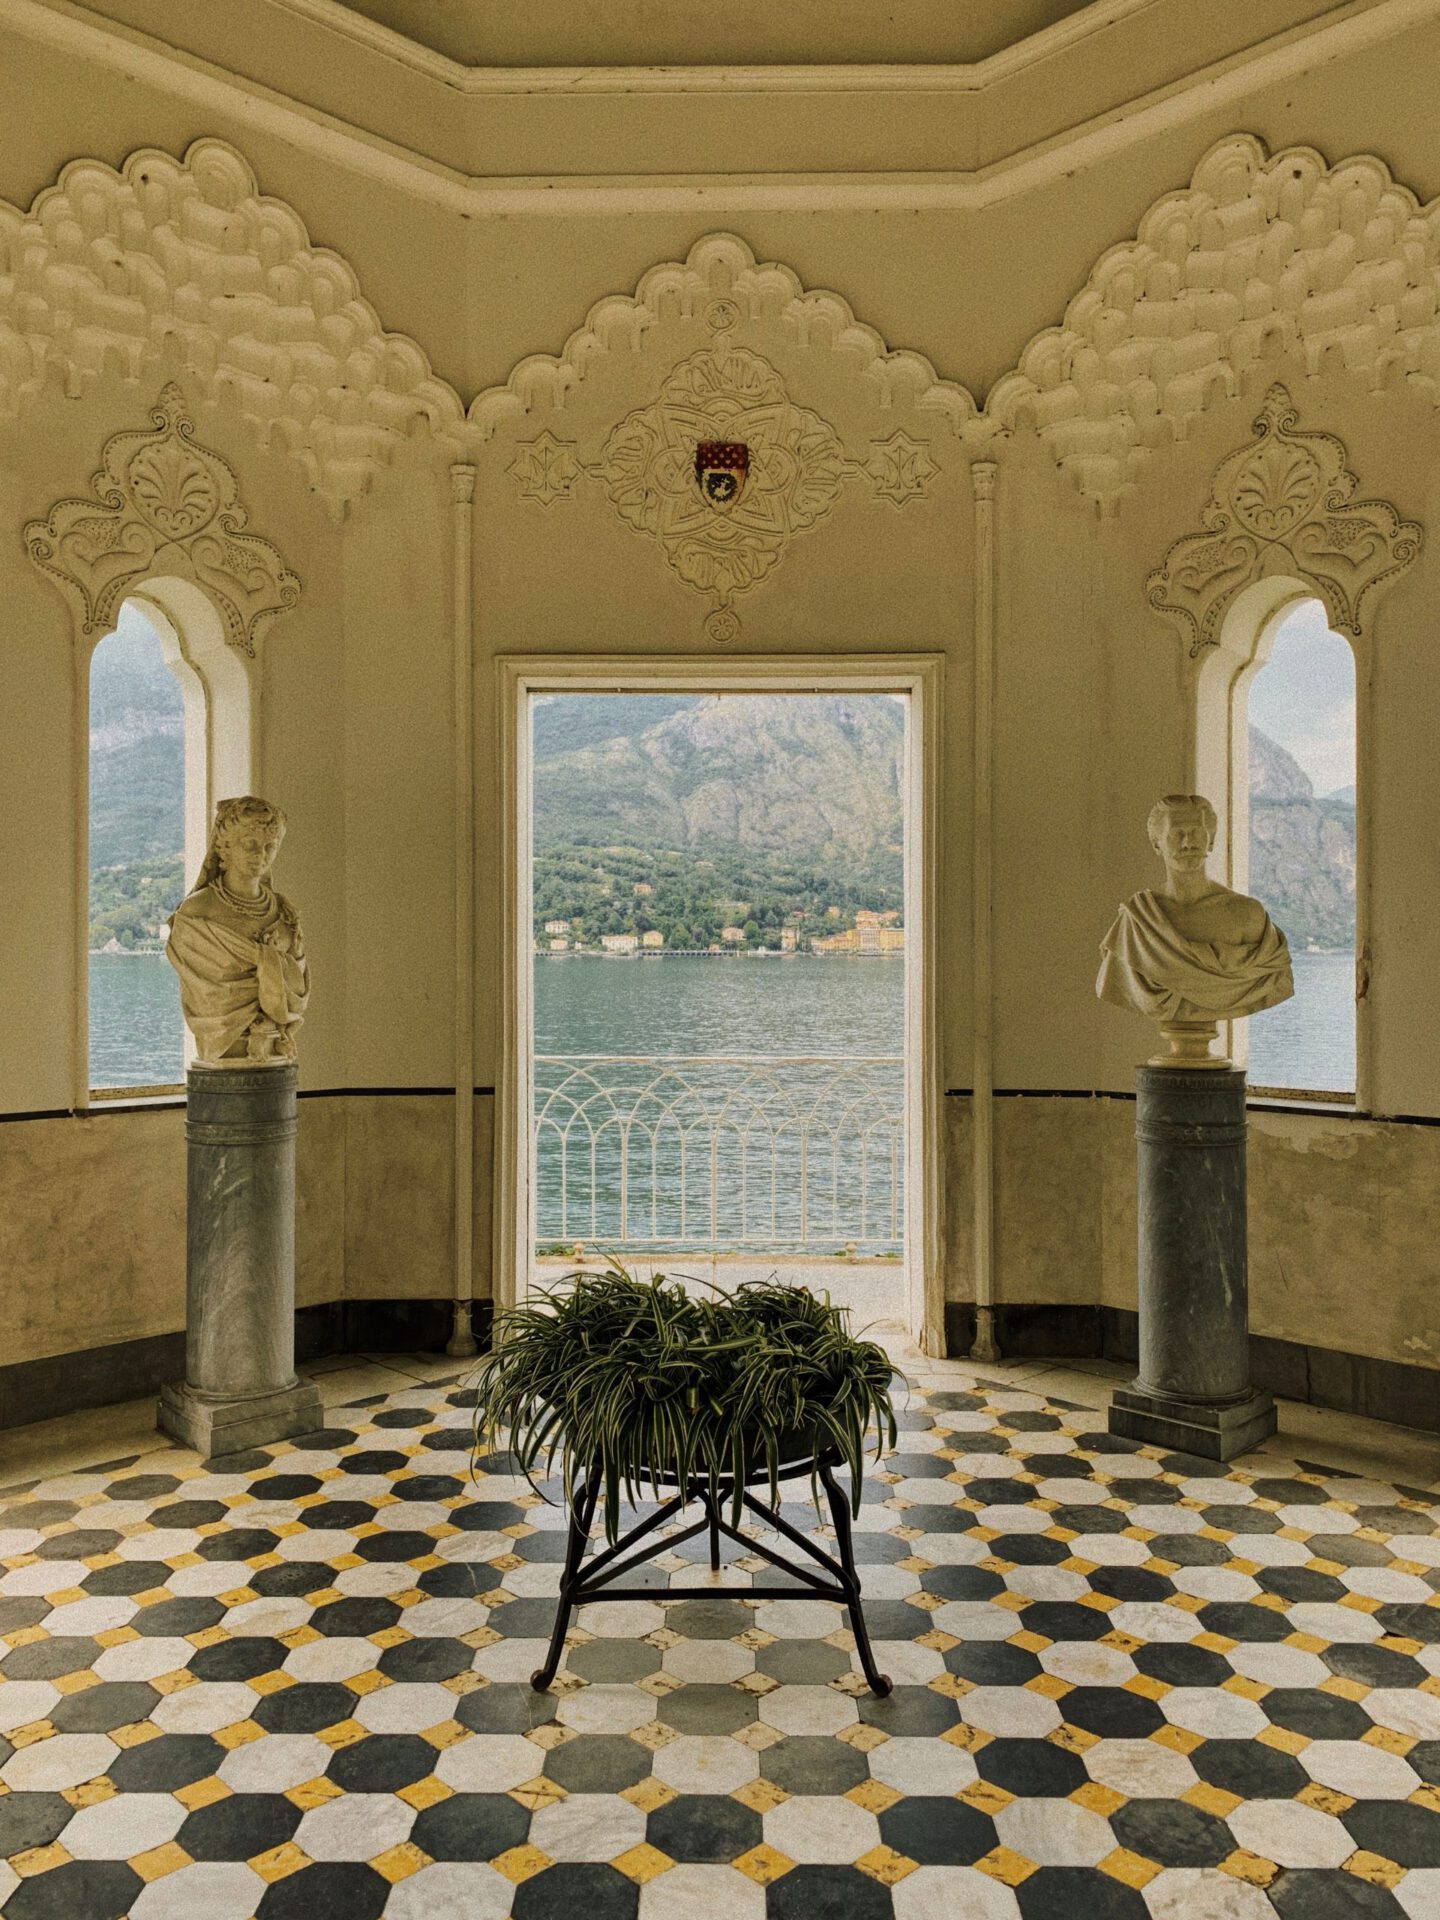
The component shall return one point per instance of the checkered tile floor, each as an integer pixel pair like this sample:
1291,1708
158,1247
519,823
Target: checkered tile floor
1127,1684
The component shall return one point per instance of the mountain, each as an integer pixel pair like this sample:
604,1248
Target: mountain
566,722
1302,849
685,814
815,777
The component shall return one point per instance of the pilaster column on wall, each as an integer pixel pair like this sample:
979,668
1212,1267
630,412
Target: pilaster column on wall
982,481
462,498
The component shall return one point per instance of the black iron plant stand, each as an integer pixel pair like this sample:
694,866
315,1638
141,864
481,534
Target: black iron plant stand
602,1577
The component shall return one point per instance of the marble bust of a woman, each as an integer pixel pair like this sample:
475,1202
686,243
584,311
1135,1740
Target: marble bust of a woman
236,945
1192,952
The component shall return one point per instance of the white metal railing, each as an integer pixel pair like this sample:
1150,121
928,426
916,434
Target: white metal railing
692,1153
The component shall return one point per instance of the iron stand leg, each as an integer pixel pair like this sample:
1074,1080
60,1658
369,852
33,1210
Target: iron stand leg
582,1513
880,1683
713,1514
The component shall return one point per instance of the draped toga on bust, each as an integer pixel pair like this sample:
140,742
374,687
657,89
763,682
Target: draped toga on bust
1146,964
243,989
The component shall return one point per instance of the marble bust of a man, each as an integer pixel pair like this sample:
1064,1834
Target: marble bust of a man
1192,952
235,943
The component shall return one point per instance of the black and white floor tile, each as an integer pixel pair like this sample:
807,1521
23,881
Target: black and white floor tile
1129,1686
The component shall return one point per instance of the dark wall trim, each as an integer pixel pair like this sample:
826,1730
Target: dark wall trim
375,1093
94,1377
1041,1093
1322,1108
951,1093
169,1102
1320,1376
102,1376
387,1093
383,1326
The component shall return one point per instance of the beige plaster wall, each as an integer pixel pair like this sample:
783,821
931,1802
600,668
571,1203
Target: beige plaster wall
1342,1253
400,1193
92,1225
391,703
356,689
38,807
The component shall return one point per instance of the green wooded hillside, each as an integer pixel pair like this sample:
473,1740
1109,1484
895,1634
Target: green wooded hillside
137,790
740,810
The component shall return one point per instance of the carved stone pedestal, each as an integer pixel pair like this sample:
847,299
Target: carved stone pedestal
1193,1391
240,1387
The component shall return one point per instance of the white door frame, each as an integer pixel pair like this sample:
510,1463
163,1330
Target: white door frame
917,675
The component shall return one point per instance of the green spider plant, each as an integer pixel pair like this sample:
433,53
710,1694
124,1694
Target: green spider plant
643,1381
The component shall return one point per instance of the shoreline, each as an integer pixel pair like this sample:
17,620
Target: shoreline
712,953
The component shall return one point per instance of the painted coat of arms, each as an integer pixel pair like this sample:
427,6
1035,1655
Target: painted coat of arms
723,469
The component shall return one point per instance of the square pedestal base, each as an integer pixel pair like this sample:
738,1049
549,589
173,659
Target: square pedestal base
1214,1433
215,1426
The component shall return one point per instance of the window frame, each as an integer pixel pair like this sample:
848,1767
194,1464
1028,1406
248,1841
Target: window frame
218,691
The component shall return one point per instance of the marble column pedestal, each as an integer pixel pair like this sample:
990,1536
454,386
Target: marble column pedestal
1193,1390
240,1388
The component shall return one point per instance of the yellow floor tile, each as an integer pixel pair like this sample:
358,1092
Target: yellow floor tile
884,1864
764,1864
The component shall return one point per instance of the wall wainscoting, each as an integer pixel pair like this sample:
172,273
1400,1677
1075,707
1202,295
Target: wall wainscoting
101,1376
1320,1376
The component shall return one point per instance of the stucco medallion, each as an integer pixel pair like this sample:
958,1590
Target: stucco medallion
722,542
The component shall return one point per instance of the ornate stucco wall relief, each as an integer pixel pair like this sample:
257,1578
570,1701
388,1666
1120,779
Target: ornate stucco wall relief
1259,257
1282,503
724,462
186,259
162,503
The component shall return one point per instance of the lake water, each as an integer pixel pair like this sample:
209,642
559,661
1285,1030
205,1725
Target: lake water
733,1005
1309,1042
136,1033
662,1124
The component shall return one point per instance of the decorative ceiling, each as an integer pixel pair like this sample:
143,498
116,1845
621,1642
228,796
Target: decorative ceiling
689,33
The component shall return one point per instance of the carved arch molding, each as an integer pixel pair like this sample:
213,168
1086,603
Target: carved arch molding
721,412
1282,503
162,503
185,264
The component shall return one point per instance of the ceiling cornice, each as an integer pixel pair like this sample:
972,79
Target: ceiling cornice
76,30
789,79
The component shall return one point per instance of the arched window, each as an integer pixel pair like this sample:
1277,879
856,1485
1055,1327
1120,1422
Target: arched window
1301,742
169,734
1277,746
137,858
